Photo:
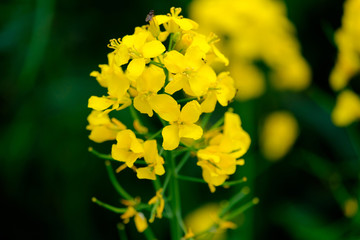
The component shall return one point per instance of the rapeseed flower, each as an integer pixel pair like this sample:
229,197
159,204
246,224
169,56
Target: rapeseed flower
255,30
178,85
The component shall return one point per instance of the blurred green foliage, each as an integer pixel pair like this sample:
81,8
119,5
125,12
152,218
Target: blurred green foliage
47,177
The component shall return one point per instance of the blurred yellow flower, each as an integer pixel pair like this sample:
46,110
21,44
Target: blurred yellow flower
205,217
347,39
278,135
347,109
255,30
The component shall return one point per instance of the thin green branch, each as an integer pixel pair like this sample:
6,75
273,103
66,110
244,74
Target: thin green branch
121,231
186,99
149,234
100,155
115,182
190,179
183,160
108,206
241,209
234,200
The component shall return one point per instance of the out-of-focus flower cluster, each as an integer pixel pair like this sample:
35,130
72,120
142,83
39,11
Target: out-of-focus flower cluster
347,38
175,84
255,30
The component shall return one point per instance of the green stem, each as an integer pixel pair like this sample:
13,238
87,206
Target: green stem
205,120
176,220
155,134
160,65
186,99
234,200
236,182
115,182
241,209
190,179
149,234
183,160
121,231
108,206
171,42
100,155
217,124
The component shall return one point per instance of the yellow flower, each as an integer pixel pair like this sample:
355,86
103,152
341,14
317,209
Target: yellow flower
206,216
139,218
222,91
189,72
102,128
140,47
127,148
150,82
173,22
348,40
249,80
154,161
347,109
117,83
219,159
159,202
182,123
278,135
256,30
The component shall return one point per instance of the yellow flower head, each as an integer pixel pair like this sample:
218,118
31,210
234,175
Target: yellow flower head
189,72
139,218
102,128
348,40
347,109
182,123
128,148
173,22
220,158
279,133
159,203
154,161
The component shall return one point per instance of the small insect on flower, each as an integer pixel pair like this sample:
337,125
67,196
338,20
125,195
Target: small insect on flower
150,15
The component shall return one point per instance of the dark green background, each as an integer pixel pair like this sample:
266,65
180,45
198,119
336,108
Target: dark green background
47,177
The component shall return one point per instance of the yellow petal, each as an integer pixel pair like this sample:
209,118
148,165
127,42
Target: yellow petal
347,109
201,80
140,222
140,39
121,56
185,23
153,49
136,67
190,113
209,103
166,106
145,173
162,19
152,80
151,151
99,103
171,137
142,104
192,131
177,83
175,62
101,134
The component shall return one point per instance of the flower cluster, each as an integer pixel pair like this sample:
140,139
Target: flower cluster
175,86
255,30
347,38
